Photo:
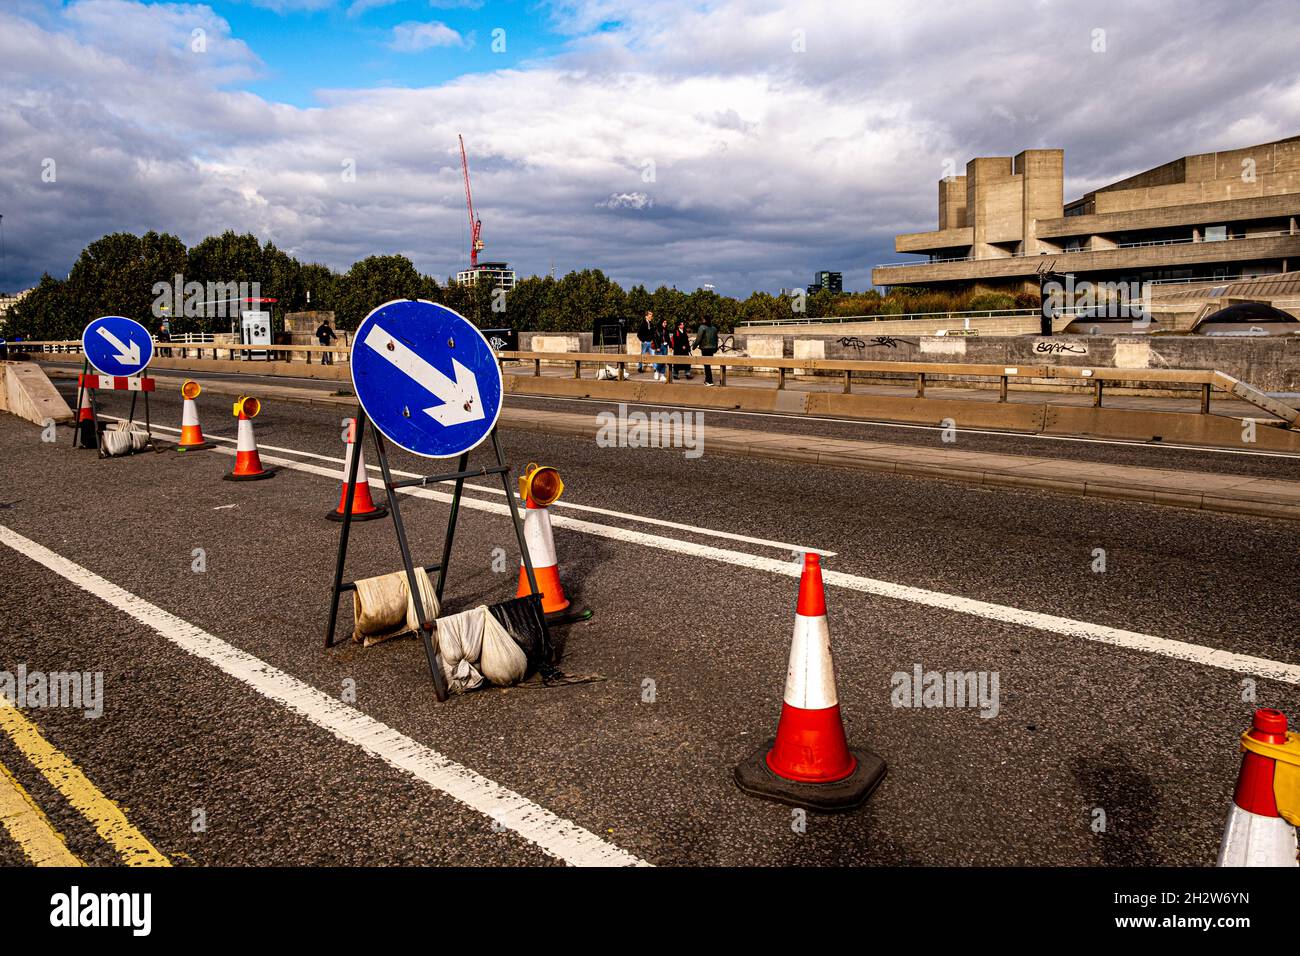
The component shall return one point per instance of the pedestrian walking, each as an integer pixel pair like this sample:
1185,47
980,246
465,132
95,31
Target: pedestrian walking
706,340
662,333
680,341
325,335
645,334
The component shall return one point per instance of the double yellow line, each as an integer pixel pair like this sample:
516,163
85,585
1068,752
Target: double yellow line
32,830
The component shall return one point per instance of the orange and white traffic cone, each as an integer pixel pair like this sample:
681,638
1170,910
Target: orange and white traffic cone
191,434
363,506
1265,809
541,550
810,763
86,437
248,464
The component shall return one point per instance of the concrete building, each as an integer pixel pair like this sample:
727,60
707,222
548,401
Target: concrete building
497,274
8,301
1214,216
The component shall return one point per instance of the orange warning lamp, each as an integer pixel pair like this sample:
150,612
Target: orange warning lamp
247,406
190,389
541,484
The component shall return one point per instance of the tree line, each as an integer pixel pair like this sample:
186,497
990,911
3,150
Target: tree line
135,276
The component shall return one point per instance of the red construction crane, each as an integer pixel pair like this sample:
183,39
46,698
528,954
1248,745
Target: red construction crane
475,225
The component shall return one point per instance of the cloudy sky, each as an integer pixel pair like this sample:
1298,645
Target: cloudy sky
743,144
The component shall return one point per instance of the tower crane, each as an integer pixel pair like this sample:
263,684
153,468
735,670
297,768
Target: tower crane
475,224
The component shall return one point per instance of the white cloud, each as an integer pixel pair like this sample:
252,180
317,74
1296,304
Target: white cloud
413,37
358,7
636,200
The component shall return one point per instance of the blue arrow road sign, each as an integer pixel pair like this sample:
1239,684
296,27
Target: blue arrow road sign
426,377
117,346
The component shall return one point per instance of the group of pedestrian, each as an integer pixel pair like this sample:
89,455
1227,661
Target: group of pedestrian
658,338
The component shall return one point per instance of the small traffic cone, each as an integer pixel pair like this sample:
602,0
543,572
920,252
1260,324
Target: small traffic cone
86,422
1266,805
541,549
810,764
248,464
191,434
363,506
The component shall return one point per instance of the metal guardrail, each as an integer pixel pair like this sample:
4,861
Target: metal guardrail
168,349
1204,380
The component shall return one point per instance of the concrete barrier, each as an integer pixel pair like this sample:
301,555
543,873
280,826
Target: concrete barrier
25,391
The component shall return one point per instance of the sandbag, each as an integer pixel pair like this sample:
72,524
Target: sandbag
524,622
460,645
503,661
383,608
123,438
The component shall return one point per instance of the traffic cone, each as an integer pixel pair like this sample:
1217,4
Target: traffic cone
248,464
191,434
810,763
363,506
86,422
1266,806
541,549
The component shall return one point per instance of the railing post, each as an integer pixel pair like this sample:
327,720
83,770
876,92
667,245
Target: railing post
780,376
920,385
577,368
1002,389
848,381
537,367
1096,393
1205,398
724,375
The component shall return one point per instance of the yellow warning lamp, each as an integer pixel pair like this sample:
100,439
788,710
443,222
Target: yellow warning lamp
541,484
190,389
247,406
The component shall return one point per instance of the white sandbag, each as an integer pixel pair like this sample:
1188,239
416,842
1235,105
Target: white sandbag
504,662
123,438
383,608
460,644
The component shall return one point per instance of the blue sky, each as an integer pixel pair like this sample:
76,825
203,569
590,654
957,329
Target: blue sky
349,45
742,144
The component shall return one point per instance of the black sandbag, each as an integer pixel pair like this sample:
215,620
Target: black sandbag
526,624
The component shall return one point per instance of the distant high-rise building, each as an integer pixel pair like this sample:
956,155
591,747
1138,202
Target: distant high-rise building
831,281
499,275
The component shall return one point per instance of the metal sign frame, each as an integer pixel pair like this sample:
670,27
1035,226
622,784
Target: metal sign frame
392,488
83,389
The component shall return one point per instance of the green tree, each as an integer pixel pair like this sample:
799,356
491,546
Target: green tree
376,280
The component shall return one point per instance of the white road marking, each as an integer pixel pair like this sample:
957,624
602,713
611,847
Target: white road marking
641,519
1101,633
558,837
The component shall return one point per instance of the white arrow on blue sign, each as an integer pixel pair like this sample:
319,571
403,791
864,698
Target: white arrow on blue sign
117,346
426,377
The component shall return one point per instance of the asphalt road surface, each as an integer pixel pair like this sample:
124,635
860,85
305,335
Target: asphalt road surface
230,735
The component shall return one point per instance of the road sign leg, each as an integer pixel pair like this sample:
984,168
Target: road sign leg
343,535
426,625
461,463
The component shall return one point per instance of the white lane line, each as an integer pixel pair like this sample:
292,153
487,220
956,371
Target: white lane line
1101,633
641,519
558,837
